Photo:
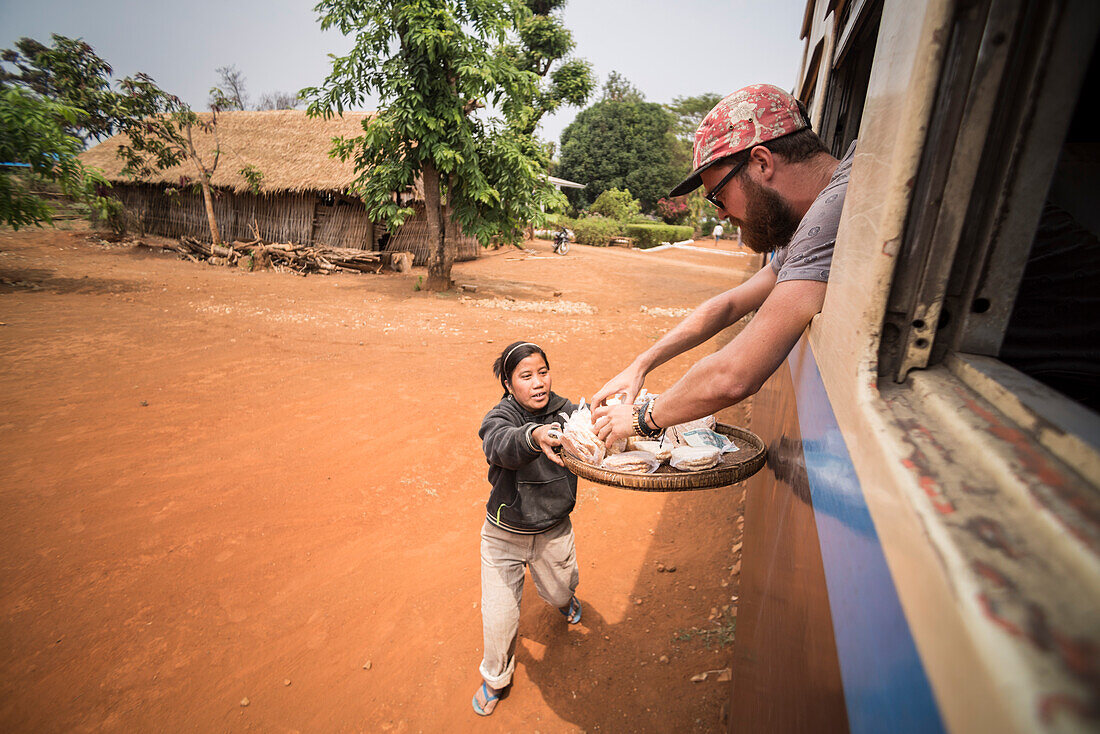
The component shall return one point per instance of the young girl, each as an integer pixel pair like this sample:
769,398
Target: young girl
527,516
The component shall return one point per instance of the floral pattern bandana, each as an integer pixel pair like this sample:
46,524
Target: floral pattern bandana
747,117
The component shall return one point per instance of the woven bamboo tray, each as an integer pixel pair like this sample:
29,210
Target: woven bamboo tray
735,467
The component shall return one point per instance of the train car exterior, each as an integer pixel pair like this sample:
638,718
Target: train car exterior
922,551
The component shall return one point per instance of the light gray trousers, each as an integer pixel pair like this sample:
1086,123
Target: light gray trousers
552,558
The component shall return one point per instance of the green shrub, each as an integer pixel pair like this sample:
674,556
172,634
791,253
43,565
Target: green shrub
616,204
651,235
596,230
553,221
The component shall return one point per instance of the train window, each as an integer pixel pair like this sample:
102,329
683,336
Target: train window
857,26
1053,332
1007,160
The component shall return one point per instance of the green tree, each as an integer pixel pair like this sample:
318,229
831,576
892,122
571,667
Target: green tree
432,63
617,204
690,111
618,88
158,128
620,145
75,85
33,132
544,41
71,74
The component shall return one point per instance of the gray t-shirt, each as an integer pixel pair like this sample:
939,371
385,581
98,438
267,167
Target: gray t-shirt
809,254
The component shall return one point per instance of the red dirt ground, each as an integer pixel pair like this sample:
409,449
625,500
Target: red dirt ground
218,485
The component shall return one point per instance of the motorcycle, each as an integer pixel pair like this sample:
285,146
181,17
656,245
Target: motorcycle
561,241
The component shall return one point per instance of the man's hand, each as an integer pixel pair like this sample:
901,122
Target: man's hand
547,437
613,422
628,381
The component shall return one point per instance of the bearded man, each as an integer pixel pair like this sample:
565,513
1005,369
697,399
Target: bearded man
769,174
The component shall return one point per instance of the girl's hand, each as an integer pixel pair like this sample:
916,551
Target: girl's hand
547,437
613,422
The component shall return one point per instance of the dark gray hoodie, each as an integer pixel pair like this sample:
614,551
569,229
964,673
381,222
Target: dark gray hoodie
530,493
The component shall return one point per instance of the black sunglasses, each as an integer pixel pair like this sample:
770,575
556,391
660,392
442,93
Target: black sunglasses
712,195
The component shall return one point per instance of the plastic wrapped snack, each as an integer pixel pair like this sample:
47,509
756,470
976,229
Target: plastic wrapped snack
579,436
705,437
617,399
661,449
680,430
635,462
694,458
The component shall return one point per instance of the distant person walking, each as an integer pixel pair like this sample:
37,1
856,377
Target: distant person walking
718,232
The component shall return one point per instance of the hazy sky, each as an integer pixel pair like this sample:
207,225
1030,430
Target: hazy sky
667,48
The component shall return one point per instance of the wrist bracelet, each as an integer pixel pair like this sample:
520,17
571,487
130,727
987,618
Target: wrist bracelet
641,426
647,417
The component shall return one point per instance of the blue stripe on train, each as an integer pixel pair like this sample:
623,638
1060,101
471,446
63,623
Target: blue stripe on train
885,687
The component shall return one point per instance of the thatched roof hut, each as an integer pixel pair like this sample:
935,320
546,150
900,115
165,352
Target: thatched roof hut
302,196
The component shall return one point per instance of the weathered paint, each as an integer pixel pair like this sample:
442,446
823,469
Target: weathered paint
885,685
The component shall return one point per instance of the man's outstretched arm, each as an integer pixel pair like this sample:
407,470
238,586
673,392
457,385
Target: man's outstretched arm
701,324
735,372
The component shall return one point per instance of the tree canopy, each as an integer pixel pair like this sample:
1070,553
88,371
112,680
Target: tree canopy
33,133
542,41
618,88
690,111
620,144
71,75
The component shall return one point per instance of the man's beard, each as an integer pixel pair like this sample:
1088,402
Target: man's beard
769,221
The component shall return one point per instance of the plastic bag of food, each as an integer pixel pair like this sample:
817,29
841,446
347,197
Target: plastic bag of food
694,458
579,436
661,449
634,462
702,437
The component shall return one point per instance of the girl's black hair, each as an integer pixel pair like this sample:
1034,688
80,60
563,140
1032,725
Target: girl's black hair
510,358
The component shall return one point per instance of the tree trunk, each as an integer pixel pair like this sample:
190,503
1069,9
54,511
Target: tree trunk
441,256
208,199
204,181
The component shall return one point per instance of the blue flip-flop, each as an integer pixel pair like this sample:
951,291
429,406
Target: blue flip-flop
573,613
490,701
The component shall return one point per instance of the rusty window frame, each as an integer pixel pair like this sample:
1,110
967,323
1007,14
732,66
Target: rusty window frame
986,166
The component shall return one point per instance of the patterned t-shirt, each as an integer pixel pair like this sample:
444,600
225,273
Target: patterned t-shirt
809,254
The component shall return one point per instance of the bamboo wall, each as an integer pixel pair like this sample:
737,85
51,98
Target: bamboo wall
413,237
298,218
343,223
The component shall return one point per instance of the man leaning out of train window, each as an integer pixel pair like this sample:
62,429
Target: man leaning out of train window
769,173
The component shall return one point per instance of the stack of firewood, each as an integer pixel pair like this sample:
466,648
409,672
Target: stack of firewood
302,259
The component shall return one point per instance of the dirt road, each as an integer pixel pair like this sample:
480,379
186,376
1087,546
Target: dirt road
218,486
